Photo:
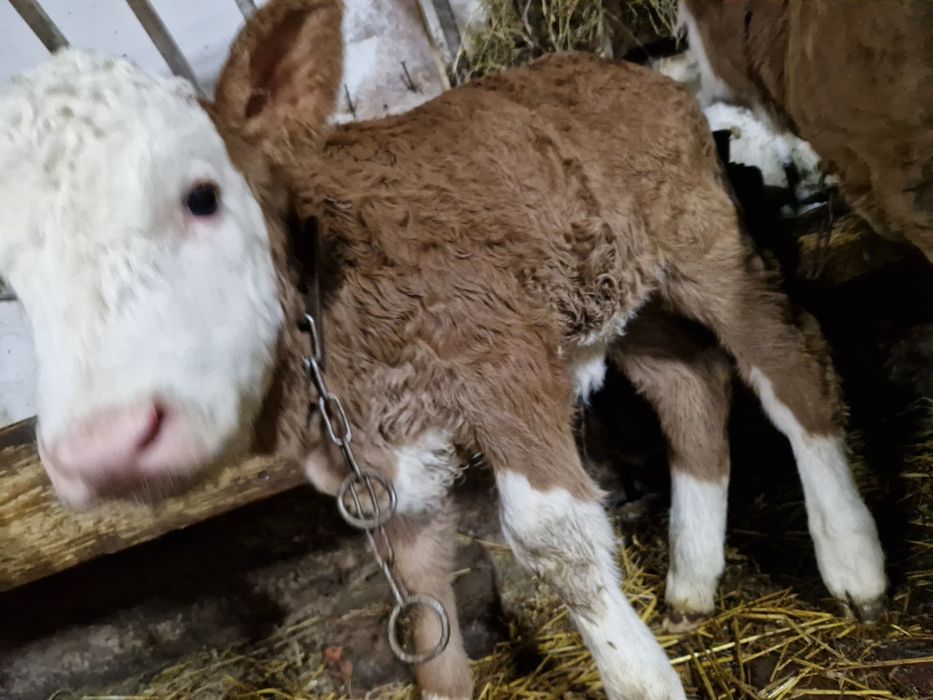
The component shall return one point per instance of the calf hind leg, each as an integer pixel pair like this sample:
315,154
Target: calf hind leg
684,374
787,363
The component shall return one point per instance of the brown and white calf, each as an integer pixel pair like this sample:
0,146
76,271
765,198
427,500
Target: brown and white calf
482,255
854,79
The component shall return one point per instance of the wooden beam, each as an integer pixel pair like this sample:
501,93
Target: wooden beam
163,40
40,24
40,537
18,434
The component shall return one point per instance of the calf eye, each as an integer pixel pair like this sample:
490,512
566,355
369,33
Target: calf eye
202,199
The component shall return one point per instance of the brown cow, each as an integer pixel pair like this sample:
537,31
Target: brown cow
854,78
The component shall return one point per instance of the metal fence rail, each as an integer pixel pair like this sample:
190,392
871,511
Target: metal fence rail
40,24
436,14
247,7
163,40
52,38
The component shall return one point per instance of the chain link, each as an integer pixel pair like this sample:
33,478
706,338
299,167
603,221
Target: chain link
372,516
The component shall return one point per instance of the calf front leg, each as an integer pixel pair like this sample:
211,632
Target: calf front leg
424,559
568,541
554,521
423,538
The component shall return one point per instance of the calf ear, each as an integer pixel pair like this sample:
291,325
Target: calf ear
284,70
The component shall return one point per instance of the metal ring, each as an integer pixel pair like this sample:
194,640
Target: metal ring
432,604
380,515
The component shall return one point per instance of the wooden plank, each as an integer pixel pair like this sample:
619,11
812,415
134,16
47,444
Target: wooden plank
40,537
163,40
18,434
40,23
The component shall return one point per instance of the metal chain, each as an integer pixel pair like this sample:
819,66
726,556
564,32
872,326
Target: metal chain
372,519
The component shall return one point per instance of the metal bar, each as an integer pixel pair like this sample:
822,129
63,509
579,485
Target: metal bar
441,23
247,7
448,20
163,41
40,24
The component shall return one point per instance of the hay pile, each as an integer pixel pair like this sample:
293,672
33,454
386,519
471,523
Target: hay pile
519,31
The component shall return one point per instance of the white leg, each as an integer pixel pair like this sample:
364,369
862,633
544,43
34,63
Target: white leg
697,539
848,551
570,544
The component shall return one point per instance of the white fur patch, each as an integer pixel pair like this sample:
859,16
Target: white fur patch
712,88
426,469
570,544
587,369
130,298
755,143
681,68
697,537
848,552
756,140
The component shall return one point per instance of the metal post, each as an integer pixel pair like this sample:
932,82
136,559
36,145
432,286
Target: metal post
40,24
247,7
442,26
163,41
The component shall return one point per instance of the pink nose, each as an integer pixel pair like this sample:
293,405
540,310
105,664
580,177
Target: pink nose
116,448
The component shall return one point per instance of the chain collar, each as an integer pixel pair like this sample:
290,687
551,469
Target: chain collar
366,500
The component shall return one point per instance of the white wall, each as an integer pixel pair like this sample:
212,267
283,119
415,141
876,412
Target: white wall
379,35
17,366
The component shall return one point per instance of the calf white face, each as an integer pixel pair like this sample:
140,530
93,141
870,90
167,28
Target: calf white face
143,262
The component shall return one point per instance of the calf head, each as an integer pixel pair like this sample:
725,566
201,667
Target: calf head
140,228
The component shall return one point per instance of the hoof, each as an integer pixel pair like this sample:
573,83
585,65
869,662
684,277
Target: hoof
678,622
867,612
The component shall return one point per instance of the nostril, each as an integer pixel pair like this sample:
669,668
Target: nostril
109,440
153,427
115,451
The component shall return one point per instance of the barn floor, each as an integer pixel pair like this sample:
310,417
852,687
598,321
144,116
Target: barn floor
245,606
